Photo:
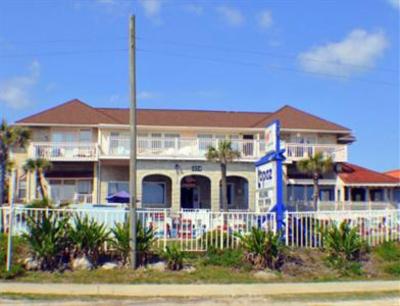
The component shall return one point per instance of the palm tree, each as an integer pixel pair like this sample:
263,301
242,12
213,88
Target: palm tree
39,166
10,137
224,154
315,166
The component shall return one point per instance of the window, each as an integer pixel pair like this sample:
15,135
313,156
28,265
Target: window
235,142
84,187
230,193
205,141
171,141
85,135
21,193
156,141
154,193
119,144
114,187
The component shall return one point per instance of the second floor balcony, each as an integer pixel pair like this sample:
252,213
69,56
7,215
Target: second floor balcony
179,148
64,151
299,151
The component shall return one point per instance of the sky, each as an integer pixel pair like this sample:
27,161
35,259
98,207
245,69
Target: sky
335,59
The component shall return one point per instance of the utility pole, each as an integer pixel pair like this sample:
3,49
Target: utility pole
10,223
132,161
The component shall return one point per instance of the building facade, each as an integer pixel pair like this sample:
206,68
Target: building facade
89,150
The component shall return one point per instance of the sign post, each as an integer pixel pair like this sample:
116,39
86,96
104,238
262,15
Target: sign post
269,175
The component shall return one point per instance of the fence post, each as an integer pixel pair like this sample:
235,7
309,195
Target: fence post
165,229
10,223
287,228
222,230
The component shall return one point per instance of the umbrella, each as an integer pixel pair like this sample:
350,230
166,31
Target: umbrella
119,197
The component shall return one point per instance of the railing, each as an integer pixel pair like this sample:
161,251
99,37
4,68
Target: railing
179,147
298,151
338,205
200,230
304,229
83,198
63,151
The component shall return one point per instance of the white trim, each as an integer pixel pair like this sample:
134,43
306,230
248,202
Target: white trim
317,131
310,182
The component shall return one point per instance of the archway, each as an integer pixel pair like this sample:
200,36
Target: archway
195,192
156,191
237,192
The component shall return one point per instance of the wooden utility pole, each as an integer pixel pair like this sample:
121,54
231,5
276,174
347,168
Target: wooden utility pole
132,161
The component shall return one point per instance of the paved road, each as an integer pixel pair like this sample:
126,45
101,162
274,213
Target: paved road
253,301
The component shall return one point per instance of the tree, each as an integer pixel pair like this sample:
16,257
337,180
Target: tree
315,166
224,154
39,166
10,137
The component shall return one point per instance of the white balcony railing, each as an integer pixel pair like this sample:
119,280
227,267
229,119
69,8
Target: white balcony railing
83,198
63,151
298,151
179,147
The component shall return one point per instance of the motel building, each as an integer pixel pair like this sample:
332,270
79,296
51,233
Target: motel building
89,151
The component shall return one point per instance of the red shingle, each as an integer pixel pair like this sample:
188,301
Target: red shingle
353,174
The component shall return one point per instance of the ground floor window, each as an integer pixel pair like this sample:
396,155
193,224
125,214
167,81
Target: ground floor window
66,190
114,187
154,193
300,193
376,195
21,192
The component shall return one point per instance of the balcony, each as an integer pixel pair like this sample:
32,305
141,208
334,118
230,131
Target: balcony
54,151
298,151
178,148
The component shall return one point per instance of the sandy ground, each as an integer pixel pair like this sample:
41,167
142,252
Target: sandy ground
252,301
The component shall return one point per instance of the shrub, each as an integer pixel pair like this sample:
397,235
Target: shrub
120,240
16,270
388,251
41,203
46,239
88,237
225,258
262,249
393,268
174,257
343,245
145,238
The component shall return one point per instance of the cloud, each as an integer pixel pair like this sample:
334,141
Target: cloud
357,52
394,3
232,16
146,95
15,92
264,19
152,8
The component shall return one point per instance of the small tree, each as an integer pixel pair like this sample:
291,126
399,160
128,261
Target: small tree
224,154
315,166
10,137
39,166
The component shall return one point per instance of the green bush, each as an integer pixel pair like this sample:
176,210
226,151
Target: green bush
393,268
174,257
46,239
224,258
145,238
262,249
344,246
388,251
41,203
87,238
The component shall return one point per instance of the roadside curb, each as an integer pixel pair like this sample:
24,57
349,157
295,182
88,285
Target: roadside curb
199,290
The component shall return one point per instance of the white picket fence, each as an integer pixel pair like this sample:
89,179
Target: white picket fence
200,230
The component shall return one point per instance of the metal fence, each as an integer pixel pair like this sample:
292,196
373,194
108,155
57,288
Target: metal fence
199,230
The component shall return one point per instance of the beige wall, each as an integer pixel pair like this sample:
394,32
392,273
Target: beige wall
118,171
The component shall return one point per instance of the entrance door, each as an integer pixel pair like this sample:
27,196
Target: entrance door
190,197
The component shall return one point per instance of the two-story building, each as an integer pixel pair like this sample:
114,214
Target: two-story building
89,150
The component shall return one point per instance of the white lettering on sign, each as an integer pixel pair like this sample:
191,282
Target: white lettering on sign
266,185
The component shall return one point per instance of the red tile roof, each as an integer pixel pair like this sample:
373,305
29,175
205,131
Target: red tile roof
353,174
393,173
78,112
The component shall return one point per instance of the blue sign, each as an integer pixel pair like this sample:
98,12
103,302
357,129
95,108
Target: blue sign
269,175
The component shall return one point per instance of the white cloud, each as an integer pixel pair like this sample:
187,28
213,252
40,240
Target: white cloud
264,19
357,52
16,92
146,95
152,8
232,16
394,3
112,2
